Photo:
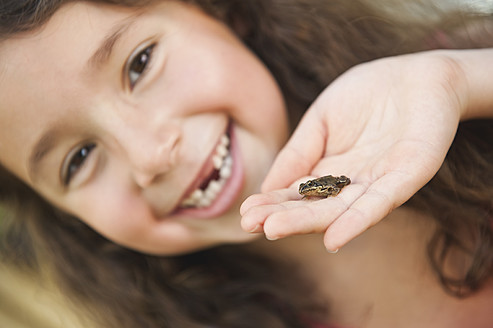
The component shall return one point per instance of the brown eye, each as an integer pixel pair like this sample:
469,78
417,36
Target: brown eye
138,65
76,162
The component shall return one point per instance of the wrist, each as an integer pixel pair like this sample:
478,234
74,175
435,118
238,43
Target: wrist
471,78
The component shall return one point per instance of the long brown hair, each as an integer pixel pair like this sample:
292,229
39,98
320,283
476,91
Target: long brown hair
306,44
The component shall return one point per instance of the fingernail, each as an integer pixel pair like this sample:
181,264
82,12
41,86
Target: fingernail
271,238
258,228
333,251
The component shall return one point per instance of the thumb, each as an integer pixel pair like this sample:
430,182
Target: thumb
301,153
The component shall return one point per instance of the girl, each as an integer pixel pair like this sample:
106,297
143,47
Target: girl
147,137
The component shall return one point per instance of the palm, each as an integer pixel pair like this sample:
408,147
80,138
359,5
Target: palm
387,125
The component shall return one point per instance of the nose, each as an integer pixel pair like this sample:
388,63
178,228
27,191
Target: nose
151,155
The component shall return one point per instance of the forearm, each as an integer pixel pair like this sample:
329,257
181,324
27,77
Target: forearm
475,88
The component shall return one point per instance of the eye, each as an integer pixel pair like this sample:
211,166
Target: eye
75,162
138,64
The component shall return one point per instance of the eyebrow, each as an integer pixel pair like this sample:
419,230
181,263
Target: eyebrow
105,49
41,149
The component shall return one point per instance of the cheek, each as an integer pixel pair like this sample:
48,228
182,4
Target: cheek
119,217
127,220
235,82
260,106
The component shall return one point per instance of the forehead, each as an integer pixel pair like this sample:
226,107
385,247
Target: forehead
67,36
39,69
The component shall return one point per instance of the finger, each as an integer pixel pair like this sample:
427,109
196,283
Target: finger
384,195
306,216
256,208
303,150
254,218
273,197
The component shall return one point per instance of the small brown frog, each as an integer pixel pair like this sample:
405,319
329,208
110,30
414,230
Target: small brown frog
324,186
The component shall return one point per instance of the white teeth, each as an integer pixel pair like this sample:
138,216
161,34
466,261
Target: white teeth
223,162
217,161
225,171
204,202
197,194
188,202
221,152
213,188
224,141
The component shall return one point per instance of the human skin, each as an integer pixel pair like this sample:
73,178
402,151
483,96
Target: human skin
127,186
389,150
382,277
139,140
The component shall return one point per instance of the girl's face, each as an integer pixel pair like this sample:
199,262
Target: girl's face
151,126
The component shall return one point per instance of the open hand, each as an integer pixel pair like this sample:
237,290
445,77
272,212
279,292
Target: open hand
387,125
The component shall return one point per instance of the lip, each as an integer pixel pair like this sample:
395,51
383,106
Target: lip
230,192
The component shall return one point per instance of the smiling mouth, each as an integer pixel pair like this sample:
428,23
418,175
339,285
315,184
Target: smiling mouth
213,184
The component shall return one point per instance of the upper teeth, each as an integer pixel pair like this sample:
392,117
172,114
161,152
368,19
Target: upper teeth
222,162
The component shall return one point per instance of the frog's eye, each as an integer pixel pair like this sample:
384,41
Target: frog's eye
343,181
